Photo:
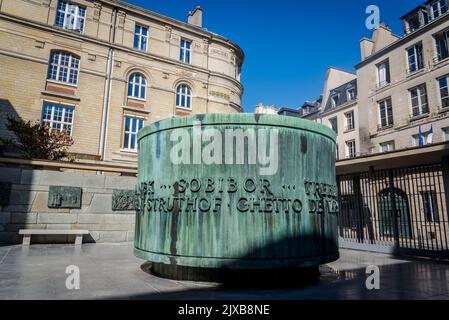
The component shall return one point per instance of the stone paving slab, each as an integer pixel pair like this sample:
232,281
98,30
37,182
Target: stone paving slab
110,271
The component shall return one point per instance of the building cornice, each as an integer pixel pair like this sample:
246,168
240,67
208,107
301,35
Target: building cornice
83,37
342,107
403,40
418,8
179,24
394,159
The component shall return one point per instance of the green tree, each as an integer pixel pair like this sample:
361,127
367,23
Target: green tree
37,141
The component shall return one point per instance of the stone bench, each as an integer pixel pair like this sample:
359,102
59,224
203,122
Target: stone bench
28,232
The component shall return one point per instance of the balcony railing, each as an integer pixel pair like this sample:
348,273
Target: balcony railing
439,59
415,71
442,109
351,155
417,116
408,30
437,13
382,84
384,127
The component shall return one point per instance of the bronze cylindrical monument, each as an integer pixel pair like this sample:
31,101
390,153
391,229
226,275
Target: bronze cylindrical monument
236,192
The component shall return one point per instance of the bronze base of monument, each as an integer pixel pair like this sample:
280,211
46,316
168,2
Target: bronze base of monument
291,277
221,212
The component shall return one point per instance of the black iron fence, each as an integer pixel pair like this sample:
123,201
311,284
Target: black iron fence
406,209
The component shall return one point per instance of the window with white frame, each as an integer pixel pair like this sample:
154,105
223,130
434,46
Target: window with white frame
141,38
350,121
387,146
350,149
137,86
425,140
415,58
442,45
418,96
132,127
437,8
350,93
383,74
385,113
184,97
335,99
333,122
63,67
430,206
70,16
445,134
444,91
184,52
443,84
58,117
413,23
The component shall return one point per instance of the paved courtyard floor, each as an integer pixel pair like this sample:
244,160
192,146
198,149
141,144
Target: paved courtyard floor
110,271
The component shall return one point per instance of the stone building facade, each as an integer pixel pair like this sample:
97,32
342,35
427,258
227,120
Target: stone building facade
102,69
341,114
337,108
403,82
399,93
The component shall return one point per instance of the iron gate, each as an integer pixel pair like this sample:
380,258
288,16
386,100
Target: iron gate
403,208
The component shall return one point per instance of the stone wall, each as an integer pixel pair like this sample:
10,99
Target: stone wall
24,205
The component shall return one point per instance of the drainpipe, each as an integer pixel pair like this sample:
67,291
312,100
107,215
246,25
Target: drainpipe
107,92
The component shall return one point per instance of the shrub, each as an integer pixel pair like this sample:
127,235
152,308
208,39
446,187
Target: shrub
37,141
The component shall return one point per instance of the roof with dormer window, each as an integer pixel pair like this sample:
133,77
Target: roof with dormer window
412,12
342,93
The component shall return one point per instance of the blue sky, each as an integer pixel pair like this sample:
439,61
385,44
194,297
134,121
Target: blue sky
288,44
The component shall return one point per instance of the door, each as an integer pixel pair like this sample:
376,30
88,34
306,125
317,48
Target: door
402,211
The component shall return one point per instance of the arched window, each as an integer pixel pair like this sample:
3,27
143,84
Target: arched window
137,86
183,97
63,67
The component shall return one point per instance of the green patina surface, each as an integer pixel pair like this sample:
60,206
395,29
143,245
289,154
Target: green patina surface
234,215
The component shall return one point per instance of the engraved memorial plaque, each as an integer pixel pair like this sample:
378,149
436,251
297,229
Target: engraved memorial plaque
123,200
64,197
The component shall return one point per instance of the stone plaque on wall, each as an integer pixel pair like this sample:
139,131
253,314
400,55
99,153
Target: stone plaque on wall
5,193
123,200
64,197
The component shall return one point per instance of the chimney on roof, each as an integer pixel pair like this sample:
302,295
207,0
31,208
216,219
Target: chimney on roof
366,48
382,37
195,17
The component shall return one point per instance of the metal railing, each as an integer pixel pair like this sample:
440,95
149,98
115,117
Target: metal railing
404,208
437,59
382,84
415,71
384,127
